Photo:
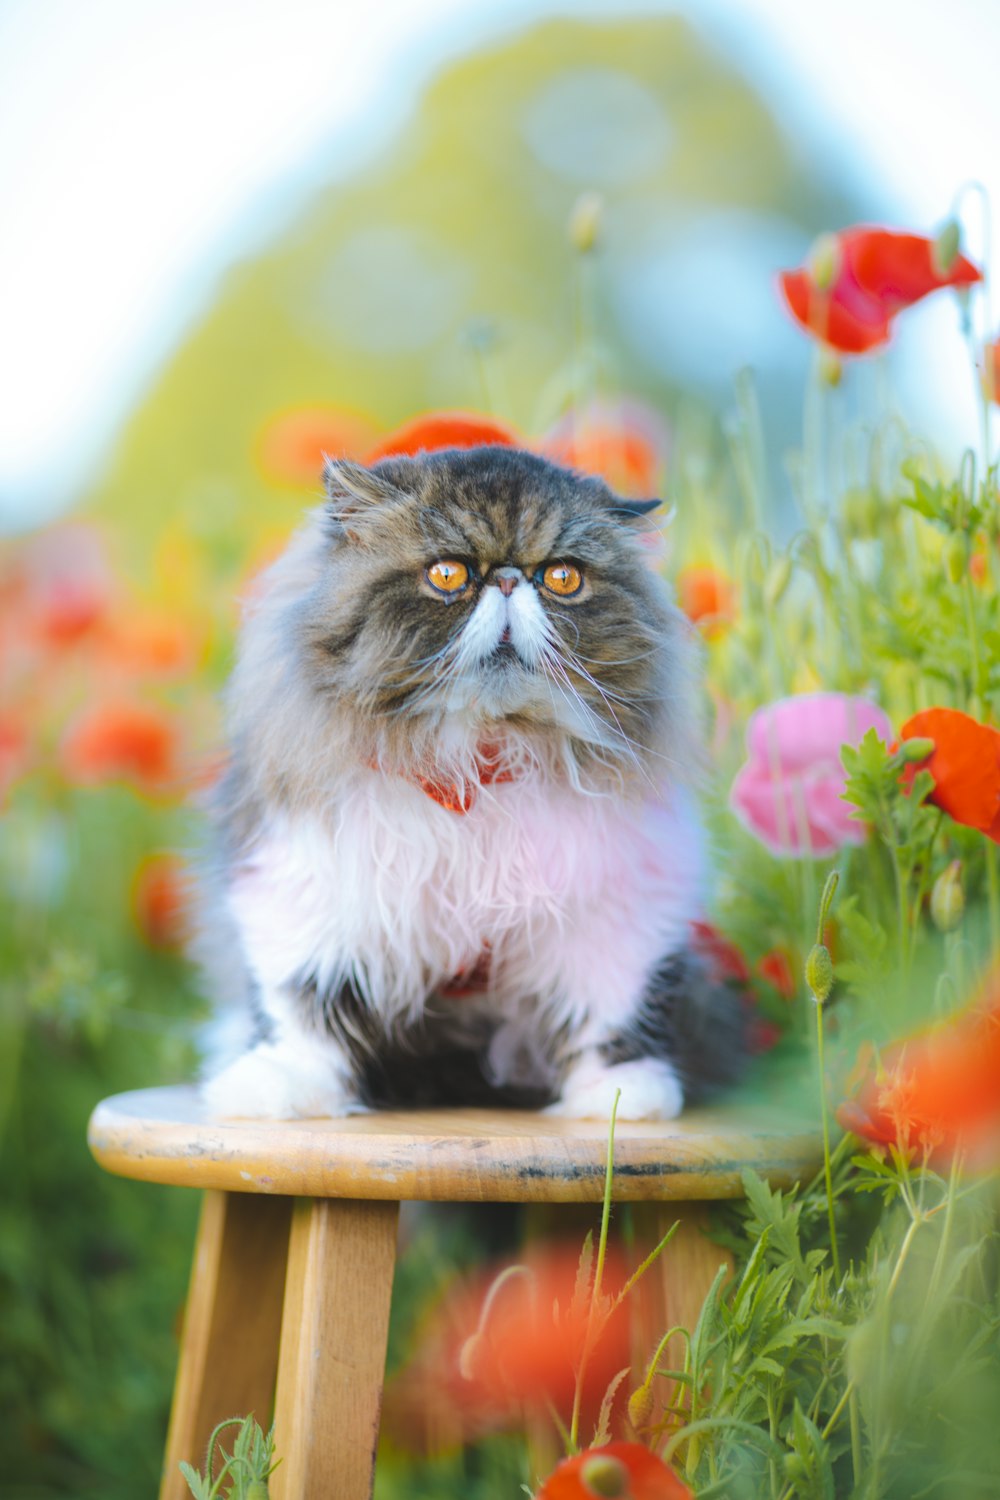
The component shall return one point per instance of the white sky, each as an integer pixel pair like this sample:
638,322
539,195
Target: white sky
137,138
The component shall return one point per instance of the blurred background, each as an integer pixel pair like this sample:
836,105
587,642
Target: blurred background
236,233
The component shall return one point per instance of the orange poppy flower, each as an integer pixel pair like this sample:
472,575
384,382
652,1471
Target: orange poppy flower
152,643
861,278
938,1091
121,741
294,444
707,597
160,901
505,1343
624,443
627,1471
965,765
444,429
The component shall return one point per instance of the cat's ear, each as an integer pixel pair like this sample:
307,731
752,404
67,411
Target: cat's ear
353,493
632,510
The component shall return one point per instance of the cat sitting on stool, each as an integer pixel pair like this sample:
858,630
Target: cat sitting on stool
459,858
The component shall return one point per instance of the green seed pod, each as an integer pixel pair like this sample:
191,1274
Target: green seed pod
257,1490
944,250
911,752
640,1406
819,972
824,261
948,898
605,1476
956,557
585,220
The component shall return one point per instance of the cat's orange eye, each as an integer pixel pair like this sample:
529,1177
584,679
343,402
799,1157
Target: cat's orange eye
563,579
448,576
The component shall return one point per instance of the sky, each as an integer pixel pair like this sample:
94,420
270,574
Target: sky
140,138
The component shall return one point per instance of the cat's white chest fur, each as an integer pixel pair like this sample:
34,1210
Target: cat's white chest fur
575,897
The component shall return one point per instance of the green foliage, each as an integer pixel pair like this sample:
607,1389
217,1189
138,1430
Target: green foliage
240,1475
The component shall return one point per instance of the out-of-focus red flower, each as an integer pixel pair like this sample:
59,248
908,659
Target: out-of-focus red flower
938,1091
294,443
122,741
504,1344
13,755
778,967
727,963
160,901
624,443
861,278
627,1471
67,584
991,371
965,765
444,429
707,597
151,643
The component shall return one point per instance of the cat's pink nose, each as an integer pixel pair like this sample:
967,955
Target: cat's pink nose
506,580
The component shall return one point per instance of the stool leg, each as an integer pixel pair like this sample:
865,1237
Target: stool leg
672,1291
229,1347
342,1256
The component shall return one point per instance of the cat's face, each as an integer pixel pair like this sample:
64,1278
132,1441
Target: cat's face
490,586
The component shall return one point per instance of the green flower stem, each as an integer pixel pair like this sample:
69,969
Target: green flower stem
993,891
968,596
827,1174
602,1246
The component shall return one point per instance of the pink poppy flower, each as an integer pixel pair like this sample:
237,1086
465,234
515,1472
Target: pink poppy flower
790,792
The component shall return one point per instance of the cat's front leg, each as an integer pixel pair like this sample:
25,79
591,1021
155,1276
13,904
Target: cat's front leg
649,1089
294,1077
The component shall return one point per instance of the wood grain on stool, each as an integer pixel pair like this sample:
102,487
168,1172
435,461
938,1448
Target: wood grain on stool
341,1259
229,1346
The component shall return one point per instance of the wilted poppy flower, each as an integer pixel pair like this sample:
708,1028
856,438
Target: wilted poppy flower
938,1091
789,794
707,597
294,444
160,901
503,1344
122,741
444,429
624,1471
965,765
859,279
624,443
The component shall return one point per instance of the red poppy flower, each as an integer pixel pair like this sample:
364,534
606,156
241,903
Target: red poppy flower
505,1343
725,960
866,276
444,429
938,1091
625,443
778,968
159,901
124,741
707,597
68,583
627,1471
151,643
294,443
965,765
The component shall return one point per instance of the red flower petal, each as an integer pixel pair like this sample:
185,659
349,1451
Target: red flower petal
444,429
965,765
898,269
850,325
644,1476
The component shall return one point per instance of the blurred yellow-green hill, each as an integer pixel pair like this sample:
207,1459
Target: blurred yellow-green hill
440,274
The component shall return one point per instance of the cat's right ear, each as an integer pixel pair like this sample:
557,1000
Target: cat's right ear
353,494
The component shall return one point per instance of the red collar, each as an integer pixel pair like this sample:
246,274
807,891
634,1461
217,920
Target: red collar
488,768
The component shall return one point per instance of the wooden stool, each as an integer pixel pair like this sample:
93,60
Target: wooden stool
293,1267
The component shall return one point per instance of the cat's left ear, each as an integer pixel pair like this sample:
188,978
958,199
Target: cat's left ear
354,493
633,510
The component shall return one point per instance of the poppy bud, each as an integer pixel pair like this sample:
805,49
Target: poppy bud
956,556
640,1406
777,580
944,249
605,1476
819,972
585,222
947,898
912,752
824,261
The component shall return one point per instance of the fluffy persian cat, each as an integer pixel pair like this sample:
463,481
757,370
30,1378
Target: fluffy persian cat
459,858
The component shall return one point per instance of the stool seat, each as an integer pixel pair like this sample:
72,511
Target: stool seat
470,1155
288,1307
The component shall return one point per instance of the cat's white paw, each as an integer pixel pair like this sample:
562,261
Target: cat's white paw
273,1082
649,1091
